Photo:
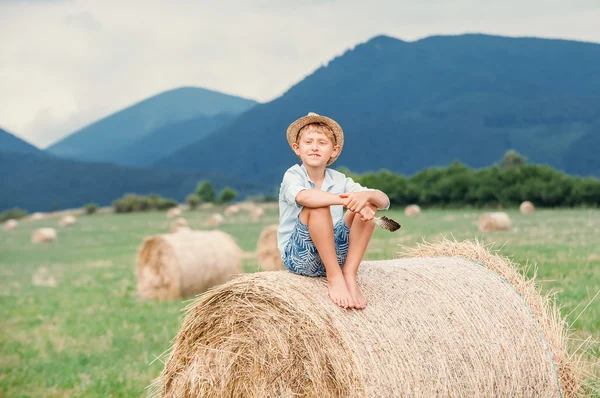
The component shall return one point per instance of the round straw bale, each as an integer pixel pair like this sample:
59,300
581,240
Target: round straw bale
442,326
495,221
215,220
179,224
256,213
174,212
10,224
207,205
527,207
412,210
36,216
231,210
67,220
43,235
269,257
186,263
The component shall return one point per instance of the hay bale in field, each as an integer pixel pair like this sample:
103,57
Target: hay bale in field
174,212
231,210
207,206
442,326
186,263
36,216
41,235
494,221
179,224
527,207
269,257
215,220
10,224
67,220
256,213
412,210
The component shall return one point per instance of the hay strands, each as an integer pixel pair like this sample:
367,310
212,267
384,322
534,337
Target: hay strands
386,223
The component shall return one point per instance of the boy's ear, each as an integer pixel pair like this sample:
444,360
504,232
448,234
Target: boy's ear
336,151
296,148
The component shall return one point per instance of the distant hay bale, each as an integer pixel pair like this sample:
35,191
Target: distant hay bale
527,207
179,224
186,263
10,224
256,213
494,221
36,216
269,257
67,221
231,210
434,327
412,210
174,212
215,220
207,206
41,235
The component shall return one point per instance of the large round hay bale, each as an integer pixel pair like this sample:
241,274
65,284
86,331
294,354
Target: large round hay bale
269,257
412,210
179,224
215,220
41,235
10,224
434,327
36,216
256,213
67,221
527,207
174,212
494,221
231,210
186,263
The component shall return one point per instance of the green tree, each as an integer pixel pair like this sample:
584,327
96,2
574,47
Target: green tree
512,159
205,192
193,201
227,195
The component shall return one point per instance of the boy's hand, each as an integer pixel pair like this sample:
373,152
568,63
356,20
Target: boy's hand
355,201
367,214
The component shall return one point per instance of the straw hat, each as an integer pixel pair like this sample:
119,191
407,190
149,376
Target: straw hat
338,133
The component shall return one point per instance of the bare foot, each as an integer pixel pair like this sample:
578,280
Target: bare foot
359,299
338,291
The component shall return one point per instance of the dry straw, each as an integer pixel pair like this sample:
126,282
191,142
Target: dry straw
231,210
67,221
412,210
435,326
37,216
179,224
495,221
41,235
269,257
174,212
186,263
527,207
256,213
10,224
215,220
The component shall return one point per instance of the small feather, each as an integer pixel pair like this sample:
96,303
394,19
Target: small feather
387,223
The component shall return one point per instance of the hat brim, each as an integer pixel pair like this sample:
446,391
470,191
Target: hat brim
294,129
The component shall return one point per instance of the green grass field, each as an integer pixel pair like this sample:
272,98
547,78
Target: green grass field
90,335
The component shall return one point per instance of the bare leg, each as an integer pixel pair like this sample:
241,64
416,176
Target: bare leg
360,235
320,227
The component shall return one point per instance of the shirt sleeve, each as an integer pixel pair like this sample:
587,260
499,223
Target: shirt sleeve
291,185
353,186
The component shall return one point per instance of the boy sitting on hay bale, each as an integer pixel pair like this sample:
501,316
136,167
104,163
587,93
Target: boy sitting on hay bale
315,237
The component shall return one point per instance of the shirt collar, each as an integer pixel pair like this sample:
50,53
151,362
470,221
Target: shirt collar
327,182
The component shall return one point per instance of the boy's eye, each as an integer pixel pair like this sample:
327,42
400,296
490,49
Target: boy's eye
322,142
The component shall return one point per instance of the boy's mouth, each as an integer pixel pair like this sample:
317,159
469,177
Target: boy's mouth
315,155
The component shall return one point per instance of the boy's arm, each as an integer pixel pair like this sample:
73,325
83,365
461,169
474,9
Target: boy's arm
313,198
375,196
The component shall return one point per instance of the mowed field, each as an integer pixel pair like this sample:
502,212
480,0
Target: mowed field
72,324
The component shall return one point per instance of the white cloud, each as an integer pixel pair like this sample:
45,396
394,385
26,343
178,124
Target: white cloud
66,63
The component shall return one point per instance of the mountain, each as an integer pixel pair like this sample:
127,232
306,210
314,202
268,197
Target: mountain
9,142
405,106
104,139
45,182
168,139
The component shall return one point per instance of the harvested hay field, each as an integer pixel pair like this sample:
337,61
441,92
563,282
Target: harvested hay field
434,326
185,263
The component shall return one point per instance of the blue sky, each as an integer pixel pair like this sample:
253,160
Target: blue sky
67,63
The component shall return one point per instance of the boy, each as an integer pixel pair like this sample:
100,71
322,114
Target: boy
315,237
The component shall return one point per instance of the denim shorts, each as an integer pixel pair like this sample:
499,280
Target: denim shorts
301,256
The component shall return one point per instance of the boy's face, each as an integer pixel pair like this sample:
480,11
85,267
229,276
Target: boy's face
314,148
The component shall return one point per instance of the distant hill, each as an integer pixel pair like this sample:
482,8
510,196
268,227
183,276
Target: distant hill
407,106
168,139
104,139
9,142
44,182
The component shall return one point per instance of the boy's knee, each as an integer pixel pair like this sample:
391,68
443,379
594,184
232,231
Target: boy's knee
310,212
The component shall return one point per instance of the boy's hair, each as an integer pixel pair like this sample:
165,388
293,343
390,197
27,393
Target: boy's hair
319,128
